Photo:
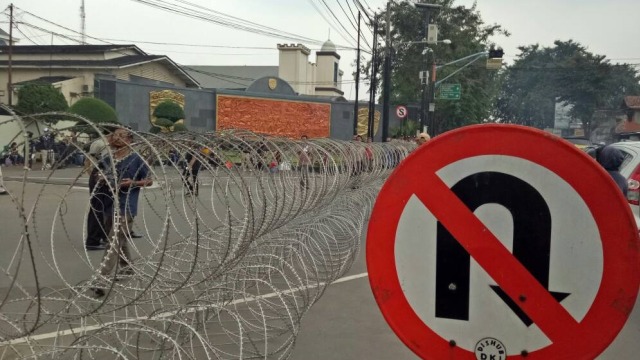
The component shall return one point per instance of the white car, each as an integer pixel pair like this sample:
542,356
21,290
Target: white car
2,189
630,169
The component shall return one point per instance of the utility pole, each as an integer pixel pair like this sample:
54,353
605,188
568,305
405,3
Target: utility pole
355,105
432,97
373,85
83,29
9,80
387,77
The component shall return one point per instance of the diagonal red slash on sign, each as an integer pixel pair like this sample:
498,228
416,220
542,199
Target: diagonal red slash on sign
536,301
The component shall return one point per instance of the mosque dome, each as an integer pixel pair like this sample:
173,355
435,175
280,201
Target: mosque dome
328,46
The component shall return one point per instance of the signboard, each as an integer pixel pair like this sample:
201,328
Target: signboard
494,64
490,242
450,91
401,112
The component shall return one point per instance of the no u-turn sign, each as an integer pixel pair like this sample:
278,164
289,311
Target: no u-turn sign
503,242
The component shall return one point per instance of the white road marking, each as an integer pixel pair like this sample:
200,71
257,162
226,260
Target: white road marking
85,329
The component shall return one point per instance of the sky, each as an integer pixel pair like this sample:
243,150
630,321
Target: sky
609,28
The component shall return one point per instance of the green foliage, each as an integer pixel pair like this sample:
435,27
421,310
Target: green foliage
155,130
163,123
38,98
469,35
95,110
406,128
169,110
179,127
566,72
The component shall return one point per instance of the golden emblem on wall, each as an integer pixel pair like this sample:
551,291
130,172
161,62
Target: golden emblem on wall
156,97
273,83
363,121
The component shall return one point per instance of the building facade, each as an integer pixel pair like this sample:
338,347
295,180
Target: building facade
73,68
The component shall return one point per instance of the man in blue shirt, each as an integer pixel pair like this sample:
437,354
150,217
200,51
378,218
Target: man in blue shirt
131,174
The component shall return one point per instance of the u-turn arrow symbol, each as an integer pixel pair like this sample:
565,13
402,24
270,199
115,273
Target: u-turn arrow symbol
531,241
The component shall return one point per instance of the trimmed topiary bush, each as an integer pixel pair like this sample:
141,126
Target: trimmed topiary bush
179,127
164,123
169,110
94,110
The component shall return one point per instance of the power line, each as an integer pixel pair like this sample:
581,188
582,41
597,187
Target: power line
329,22
223,20
355,27
361,34
337,20
211,46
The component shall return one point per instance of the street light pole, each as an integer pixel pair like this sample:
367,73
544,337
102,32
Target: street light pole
425,85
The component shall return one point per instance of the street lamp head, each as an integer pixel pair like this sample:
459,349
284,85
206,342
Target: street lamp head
446,42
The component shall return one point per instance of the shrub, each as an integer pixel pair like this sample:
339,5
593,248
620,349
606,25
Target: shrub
94,110
164,123
35,98
169,110
179,127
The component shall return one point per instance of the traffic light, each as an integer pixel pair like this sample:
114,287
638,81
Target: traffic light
496,53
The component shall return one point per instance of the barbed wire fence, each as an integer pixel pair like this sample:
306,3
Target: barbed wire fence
230,260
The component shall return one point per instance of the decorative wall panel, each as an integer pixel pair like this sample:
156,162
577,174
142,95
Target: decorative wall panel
290,119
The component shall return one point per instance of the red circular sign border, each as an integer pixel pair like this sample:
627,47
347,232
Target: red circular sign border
406,111
621,261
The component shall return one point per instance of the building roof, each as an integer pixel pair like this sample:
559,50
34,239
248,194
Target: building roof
119,62
632,102
110,63
45,79
229,77
328,46
68,49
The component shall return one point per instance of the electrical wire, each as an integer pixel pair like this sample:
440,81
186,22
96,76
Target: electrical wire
338,21
213,17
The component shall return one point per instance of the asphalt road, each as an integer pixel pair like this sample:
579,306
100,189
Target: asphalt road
344,324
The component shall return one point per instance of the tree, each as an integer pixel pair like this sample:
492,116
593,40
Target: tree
468,34
36,98
94,110
566,72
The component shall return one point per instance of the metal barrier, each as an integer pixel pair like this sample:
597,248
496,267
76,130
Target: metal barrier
231,258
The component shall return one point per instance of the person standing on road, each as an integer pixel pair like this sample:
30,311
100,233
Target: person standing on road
192,169
304,162
611,158
131,174
47,143
100,200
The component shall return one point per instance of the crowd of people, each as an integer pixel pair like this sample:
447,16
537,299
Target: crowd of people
51,148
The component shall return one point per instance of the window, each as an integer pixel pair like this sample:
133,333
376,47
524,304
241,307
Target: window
335,74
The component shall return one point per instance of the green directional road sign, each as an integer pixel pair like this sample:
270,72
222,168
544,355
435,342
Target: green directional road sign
450,92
